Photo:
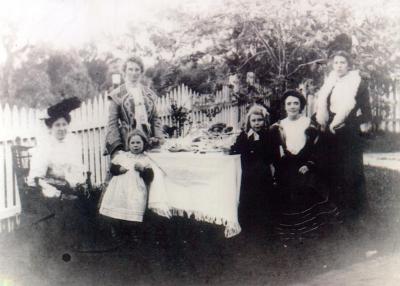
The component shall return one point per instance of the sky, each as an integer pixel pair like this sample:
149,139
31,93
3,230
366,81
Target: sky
66,23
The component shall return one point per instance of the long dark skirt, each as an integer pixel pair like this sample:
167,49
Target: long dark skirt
255,193
302,206
345,171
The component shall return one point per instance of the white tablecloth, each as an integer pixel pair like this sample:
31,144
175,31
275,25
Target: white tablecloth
206,186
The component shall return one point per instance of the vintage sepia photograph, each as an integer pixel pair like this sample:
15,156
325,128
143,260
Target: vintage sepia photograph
199,142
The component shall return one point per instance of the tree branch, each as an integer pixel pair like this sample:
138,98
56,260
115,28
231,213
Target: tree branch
305,64
258,34
252,57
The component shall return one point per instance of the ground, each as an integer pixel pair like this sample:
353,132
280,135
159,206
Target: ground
365,252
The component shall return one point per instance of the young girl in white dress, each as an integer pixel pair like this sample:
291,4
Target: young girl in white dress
127,194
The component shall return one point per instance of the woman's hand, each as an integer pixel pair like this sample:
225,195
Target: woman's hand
366,127
335,128
50,192
332,129
154,141
304,169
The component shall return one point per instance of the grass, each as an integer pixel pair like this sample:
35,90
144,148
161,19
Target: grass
383,142
192,253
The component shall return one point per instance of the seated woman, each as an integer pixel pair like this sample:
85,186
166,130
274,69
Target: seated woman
301,199
57,170
56,165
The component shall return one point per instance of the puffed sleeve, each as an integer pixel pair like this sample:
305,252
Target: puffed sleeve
363,102
275,140
38,164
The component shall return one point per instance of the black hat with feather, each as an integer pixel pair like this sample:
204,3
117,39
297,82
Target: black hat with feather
62,110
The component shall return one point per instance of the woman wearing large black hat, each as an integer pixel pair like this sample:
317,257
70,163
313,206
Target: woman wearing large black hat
56,163
58,173
343,112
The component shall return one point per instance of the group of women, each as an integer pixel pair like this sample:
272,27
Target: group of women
299,173
302,173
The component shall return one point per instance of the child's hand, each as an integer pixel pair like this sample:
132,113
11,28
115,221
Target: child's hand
122,170
303,170
139,167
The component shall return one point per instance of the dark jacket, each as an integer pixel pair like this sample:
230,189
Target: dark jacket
121,117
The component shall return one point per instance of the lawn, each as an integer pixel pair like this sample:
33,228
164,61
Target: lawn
192,253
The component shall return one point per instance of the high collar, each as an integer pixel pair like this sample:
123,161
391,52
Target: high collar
254,133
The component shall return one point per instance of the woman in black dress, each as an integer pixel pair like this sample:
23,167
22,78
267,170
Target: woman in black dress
301,200
344,113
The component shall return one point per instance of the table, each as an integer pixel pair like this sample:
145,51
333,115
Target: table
205,186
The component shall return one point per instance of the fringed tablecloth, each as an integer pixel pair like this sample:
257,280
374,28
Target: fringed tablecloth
205,186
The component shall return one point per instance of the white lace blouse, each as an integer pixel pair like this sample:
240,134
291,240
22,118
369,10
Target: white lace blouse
60,159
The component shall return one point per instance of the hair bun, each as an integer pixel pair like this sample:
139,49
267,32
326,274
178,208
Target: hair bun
341,42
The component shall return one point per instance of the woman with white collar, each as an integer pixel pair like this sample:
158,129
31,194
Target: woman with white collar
58,173
132,106
56,164
301,202
344,113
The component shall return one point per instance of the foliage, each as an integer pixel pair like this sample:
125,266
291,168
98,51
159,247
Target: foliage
43,76
180,115
285,43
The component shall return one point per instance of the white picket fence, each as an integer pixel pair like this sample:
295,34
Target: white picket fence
89,124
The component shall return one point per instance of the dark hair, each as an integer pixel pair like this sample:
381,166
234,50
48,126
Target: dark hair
49,121
296,94
137,132
343,54
135,60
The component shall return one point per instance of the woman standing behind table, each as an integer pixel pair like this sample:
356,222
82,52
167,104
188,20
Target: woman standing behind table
132,106
253,145
301,201
343,113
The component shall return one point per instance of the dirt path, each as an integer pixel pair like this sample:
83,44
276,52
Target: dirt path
382,271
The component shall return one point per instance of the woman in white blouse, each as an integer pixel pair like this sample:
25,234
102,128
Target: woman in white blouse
301,199
56,171
56,164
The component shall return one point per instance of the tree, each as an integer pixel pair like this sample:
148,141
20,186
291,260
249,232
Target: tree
285,42
44,76
12,52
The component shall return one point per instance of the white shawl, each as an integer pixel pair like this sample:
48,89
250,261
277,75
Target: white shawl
343,97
